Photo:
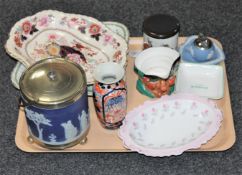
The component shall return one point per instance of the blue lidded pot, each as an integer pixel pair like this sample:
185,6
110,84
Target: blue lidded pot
54,94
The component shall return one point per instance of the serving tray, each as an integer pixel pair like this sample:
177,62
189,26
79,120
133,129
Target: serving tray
103,140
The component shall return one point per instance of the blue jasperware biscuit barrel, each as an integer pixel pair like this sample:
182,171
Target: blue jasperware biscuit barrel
54,93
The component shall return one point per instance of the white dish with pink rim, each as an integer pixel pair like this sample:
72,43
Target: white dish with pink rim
170,125
80,38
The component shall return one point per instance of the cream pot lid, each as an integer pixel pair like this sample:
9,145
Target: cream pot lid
53,82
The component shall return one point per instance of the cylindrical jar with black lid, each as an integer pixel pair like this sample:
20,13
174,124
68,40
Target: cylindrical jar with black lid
161,30
54,93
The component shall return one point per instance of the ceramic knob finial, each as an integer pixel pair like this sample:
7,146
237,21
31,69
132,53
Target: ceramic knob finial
203,42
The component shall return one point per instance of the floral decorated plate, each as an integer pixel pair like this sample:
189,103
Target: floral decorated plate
116,27
170,125
51,33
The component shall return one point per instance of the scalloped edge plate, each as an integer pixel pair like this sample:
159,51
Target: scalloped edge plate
166,109
116,27
80,38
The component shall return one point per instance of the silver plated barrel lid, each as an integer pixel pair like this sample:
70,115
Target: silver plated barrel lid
52,83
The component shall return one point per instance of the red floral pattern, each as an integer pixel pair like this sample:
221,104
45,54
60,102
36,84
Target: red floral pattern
18,41
26,26
117,56
75,58
32,25
94,29
43,21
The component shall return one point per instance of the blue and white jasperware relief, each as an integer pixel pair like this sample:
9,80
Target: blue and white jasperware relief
200,49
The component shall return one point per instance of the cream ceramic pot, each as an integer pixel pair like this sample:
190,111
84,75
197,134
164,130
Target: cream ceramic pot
161,30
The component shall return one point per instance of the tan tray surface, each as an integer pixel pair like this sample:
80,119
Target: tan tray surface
103,140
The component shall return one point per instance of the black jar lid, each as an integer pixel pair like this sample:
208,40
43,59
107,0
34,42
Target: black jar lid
161,26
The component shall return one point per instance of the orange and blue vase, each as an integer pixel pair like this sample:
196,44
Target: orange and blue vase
110,94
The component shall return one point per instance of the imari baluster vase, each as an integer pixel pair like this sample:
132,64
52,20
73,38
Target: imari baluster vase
110,94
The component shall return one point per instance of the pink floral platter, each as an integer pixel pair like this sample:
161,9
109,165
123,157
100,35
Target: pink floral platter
80,38
170,125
